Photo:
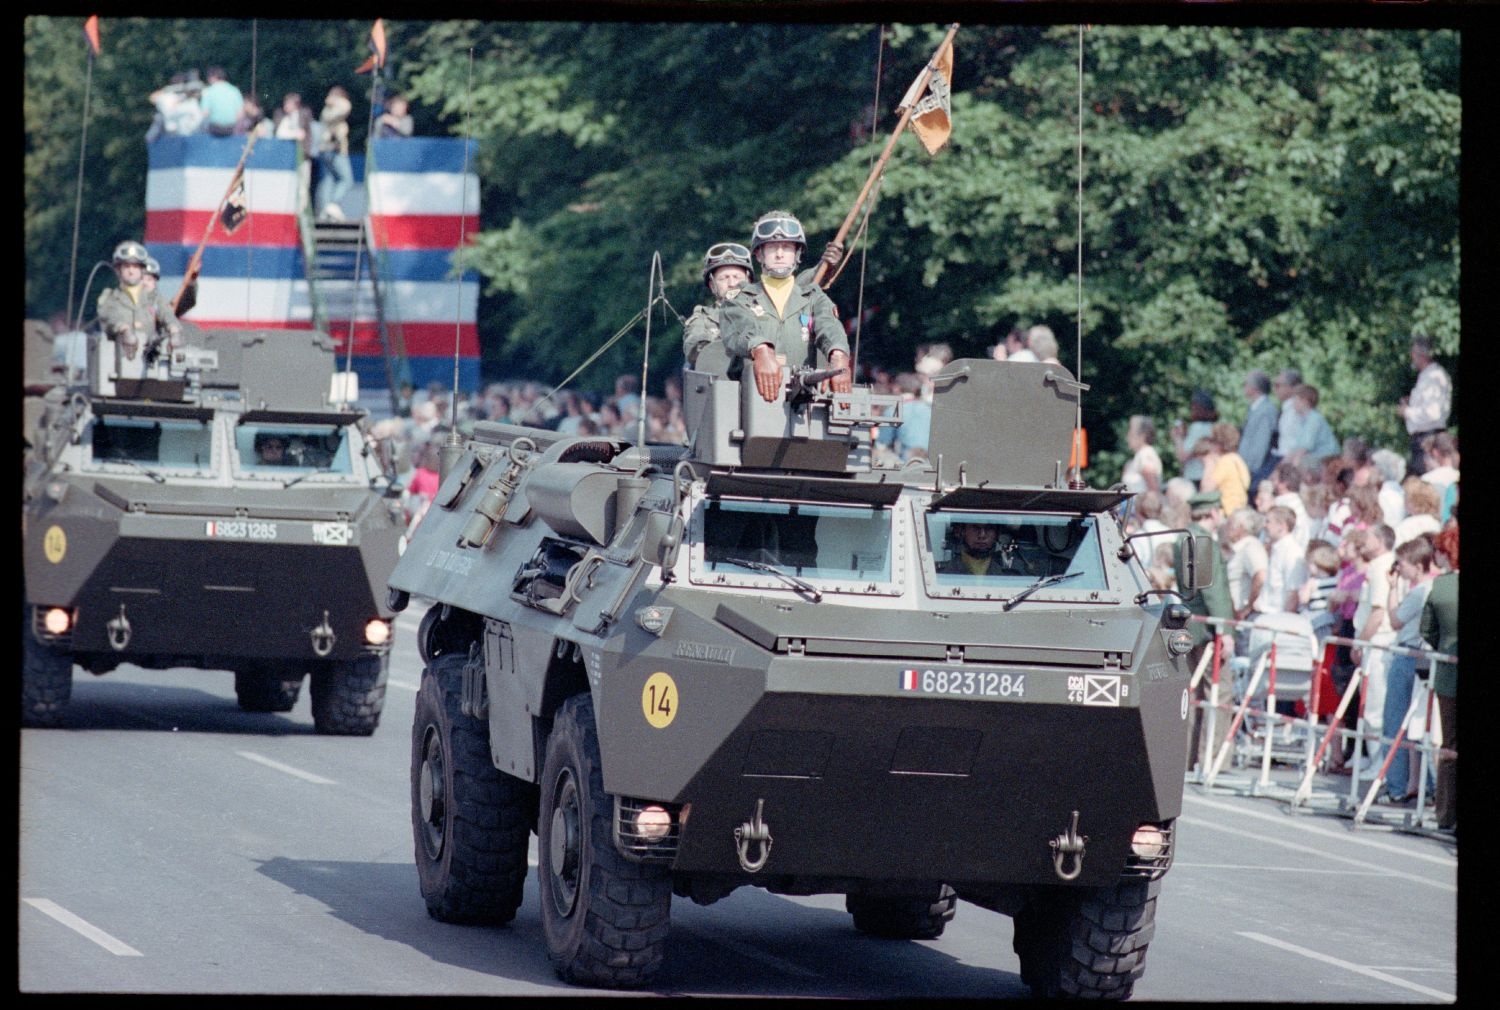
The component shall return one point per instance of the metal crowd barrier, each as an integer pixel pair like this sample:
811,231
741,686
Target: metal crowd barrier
1315,739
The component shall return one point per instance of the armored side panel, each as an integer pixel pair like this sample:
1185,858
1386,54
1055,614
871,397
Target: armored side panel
1003,422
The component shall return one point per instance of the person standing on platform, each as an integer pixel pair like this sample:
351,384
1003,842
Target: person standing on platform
223,104
1425,410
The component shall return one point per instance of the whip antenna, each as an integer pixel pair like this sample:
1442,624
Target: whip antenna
864,251
640,421
451,447
83,145
1076,480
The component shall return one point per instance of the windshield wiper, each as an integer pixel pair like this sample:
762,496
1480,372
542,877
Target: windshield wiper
801,585
120,457
1041,583
303,476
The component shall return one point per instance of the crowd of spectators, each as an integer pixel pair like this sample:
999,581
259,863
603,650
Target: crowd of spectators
1348,537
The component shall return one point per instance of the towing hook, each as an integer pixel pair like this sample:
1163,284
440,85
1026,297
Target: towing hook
118,630
323,637
752,831
1068,844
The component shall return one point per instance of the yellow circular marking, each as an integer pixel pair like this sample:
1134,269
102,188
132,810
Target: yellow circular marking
659,700
54,544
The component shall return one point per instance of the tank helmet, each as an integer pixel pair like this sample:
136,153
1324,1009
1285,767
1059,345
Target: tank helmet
777,226
726,254
131,252
153,268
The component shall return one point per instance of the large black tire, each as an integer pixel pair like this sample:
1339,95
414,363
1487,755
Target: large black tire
903,918
347,697
1089,944
46,679
267,689
604,918
470,821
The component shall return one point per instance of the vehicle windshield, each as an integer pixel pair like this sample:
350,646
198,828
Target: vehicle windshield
284,450
152,443
830,543
988,554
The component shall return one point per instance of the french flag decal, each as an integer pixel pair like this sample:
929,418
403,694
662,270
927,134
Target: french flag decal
908,680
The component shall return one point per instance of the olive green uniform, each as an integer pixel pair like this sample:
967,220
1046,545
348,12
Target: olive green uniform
808,324
1213,601
702,327
136,324
700,330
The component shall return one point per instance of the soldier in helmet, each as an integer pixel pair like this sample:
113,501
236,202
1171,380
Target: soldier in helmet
726,267
984,549
782,318
138,320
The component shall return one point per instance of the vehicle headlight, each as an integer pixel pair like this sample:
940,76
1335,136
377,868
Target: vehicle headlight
378,632
57,620
1179,643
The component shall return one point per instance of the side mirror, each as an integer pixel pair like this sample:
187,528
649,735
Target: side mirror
662,539
1195,563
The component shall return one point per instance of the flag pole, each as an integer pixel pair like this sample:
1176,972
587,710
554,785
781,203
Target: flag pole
195,265
907,107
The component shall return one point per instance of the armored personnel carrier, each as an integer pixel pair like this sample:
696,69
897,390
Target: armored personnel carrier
224,511
760,660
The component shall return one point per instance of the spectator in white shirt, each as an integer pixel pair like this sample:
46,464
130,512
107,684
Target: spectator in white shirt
1246,565
1425,410
1286,568
1143,471
1392,469
1422,508
1442,457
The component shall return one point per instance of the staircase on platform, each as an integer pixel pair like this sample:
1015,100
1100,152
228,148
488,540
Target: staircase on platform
343,278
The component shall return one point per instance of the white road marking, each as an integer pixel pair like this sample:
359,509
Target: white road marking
1295,847
1348,966
1180,864
83,928
745,950
1284,820
298,772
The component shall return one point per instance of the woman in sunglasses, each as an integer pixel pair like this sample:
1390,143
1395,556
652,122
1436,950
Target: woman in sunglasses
782,319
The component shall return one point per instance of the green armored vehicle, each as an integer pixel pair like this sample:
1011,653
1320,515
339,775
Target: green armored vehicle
223,511
759,660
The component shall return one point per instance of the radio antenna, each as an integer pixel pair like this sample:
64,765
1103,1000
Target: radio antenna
83,146
453,445
1075,479
656,274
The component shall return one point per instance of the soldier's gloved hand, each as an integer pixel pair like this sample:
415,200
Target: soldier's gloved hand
833,254
842,382
768,378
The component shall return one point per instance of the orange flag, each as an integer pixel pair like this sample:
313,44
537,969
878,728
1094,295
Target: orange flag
91,34
376,59
931,118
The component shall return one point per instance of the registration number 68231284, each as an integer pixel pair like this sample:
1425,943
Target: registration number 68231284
980,683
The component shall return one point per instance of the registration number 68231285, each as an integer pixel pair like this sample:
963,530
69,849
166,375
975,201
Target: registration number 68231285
980,683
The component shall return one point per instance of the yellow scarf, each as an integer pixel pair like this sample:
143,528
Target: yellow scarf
134,291
778,289
976,566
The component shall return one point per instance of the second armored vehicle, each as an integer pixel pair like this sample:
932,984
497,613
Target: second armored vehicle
758,660
229,514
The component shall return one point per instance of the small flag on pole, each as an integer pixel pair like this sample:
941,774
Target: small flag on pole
91,34
376,59
235,209
931,117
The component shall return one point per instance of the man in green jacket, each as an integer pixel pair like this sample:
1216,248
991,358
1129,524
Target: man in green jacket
1440,629
141,324
726,268
1206,512
782,320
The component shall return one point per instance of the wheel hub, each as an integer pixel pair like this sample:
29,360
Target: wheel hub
430,795
563,850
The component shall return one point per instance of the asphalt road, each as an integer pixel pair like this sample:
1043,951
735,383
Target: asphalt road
170,843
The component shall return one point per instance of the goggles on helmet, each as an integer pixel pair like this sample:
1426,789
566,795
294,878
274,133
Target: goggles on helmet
152,267
726,252
779,229
130,252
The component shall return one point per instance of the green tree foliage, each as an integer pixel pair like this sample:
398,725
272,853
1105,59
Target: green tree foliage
1251,197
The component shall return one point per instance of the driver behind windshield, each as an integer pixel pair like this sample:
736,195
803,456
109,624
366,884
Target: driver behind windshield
270,450
982,549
